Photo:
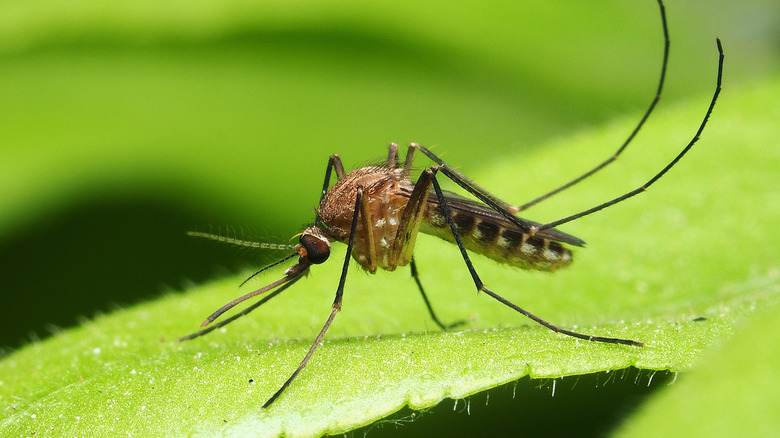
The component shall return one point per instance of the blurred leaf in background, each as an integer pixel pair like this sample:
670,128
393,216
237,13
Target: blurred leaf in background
126,124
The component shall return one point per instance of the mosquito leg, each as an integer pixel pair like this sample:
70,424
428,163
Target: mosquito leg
336,301
501,207
485,197
409,223
481,286
305,360
464,181
334,162
392,157
492,201
438,322
408,228
652,180
410,156
368,229
633,134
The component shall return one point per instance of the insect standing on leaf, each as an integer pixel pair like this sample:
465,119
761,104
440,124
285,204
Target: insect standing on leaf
378,212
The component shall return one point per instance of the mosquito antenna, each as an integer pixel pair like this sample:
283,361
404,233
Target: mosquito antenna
240,242
291,274
633,133
240,314
652,180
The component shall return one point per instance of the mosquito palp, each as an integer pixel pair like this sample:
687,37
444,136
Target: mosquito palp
246,311
378,211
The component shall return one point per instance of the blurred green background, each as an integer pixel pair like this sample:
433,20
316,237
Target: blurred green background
125,124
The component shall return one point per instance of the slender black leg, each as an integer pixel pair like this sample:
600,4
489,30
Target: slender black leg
467,184
481,286
409,227
334,162
633,134
663,171
499,206
438,322
336,301
509,211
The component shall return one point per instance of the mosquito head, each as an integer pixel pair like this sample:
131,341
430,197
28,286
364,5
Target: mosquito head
314,246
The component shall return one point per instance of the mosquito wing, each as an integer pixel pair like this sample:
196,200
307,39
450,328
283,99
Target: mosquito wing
460,204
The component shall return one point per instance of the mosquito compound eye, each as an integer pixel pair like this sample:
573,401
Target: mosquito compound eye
317,249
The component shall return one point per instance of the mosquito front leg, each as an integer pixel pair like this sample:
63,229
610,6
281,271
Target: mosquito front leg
334,162
481,286
336,301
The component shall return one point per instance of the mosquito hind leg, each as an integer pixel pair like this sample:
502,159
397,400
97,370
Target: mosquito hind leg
463,181
481,286
501,207
438,322
612,158
663,171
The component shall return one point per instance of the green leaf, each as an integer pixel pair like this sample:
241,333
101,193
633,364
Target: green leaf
730,393
208,104
657,265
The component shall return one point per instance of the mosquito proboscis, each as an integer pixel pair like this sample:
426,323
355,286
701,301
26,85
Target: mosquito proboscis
378,212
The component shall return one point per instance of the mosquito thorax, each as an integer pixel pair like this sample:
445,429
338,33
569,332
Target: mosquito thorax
314,246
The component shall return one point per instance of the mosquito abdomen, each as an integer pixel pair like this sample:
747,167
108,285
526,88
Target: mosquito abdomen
497,240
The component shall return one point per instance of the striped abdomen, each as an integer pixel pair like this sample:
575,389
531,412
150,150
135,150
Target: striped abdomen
486,233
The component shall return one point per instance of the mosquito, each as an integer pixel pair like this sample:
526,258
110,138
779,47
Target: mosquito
378,212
